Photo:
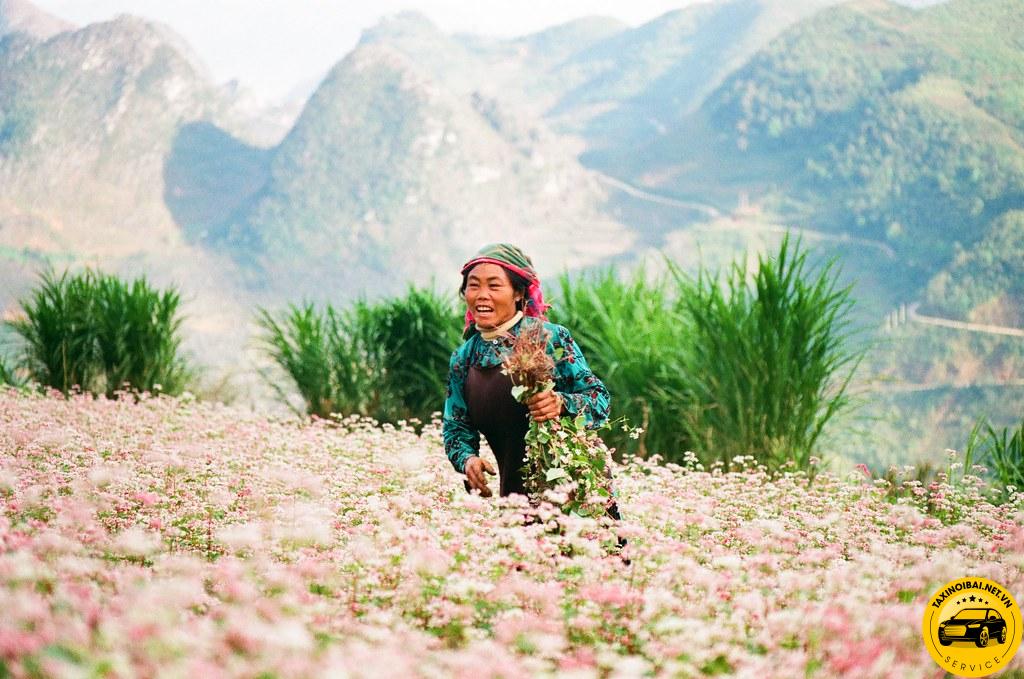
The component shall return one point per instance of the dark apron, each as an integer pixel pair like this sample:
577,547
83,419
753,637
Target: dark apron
502,420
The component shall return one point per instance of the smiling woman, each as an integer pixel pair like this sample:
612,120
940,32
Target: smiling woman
503,296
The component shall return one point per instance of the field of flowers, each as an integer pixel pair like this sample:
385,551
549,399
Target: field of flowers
178,539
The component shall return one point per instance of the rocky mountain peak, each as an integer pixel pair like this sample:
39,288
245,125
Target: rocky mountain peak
401,26
21,16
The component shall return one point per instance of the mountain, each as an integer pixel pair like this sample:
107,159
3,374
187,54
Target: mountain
88,121
86,174
388,176
986,282
887,134
870,119
595,76
635,84
22,16
521,71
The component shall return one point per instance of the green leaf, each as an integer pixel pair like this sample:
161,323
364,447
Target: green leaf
555,473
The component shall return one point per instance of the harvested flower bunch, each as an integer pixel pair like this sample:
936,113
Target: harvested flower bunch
561,453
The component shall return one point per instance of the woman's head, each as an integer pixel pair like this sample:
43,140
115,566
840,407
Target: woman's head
493,294
508,266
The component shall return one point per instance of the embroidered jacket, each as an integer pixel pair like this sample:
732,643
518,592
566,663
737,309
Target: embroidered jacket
580,389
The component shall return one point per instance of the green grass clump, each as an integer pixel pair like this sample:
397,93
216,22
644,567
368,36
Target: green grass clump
100,334
770,358
739,365
1002,450
631,335
7,374
387,360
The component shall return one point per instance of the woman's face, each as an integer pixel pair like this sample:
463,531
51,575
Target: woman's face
490,297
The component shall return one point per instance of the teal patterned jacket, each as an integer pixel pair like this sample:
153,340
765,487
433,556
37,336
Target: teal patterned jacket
581,390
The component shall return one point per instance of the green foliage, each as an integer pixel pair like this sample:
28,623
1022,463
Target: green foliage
802,78
739,367
560,452
629,334
925,162
1003,449
769,361
386,360
989,277
7,375
414,336
901,124
101,334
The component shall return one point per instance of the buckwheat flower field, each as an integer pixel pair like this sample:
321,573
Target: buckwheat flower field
172,538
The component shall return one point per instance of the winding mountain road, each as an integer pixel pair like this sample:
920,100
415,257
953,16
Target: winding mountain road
715,213
636,192
809,235
912,315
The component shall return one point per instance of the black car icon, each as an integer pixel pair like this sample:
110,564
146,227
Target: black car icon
973,624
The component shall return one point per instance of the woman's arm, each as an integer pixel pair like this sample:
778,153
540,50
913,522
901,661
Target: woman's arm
461,440
581,390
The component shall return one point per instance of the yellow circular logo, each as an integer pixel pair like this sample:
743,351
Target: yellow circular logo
972,627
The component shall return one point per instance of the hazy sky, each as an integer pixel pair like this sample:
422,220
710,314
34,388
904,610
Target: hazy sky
273,46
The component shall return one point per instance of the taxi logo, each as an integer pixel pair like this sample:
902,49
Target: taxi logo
972,627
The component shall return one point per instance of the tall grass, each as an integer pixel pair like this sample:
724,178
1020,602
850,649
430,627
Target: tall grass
770,358
387,360
98,333
7,375
1002,450
631,337
723,366
298,343
414,336
743,366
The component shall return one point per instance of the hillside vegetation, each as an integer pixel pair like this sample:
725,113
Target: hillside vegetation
872,119
986,283
385,161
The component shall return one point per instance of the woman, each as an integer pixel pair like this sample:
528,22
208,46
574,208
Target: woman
500,287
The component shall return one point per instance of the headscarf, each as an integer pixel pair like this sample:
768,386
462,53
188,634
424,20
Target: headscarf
510,258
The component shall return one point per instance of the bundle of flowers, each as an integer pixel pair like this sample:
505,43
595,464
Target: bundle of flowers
562,454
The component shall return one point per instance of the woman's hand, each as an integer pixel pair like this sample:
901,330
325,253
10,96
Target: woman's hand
475,468
547,405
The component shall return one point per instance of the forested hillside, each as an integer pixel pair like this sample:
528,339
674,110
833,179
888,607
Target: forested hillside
384,161
870,119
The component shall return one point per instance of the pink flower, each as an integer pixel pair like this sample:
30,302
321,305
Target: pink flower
856,655
608,595
146,498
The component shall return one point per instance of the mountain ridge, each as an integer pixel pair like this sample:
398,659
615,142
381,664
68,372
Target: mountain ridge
23,17
382,154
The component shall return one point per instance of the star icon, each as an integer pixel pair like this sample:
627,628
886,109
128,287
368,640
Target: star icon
972,597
